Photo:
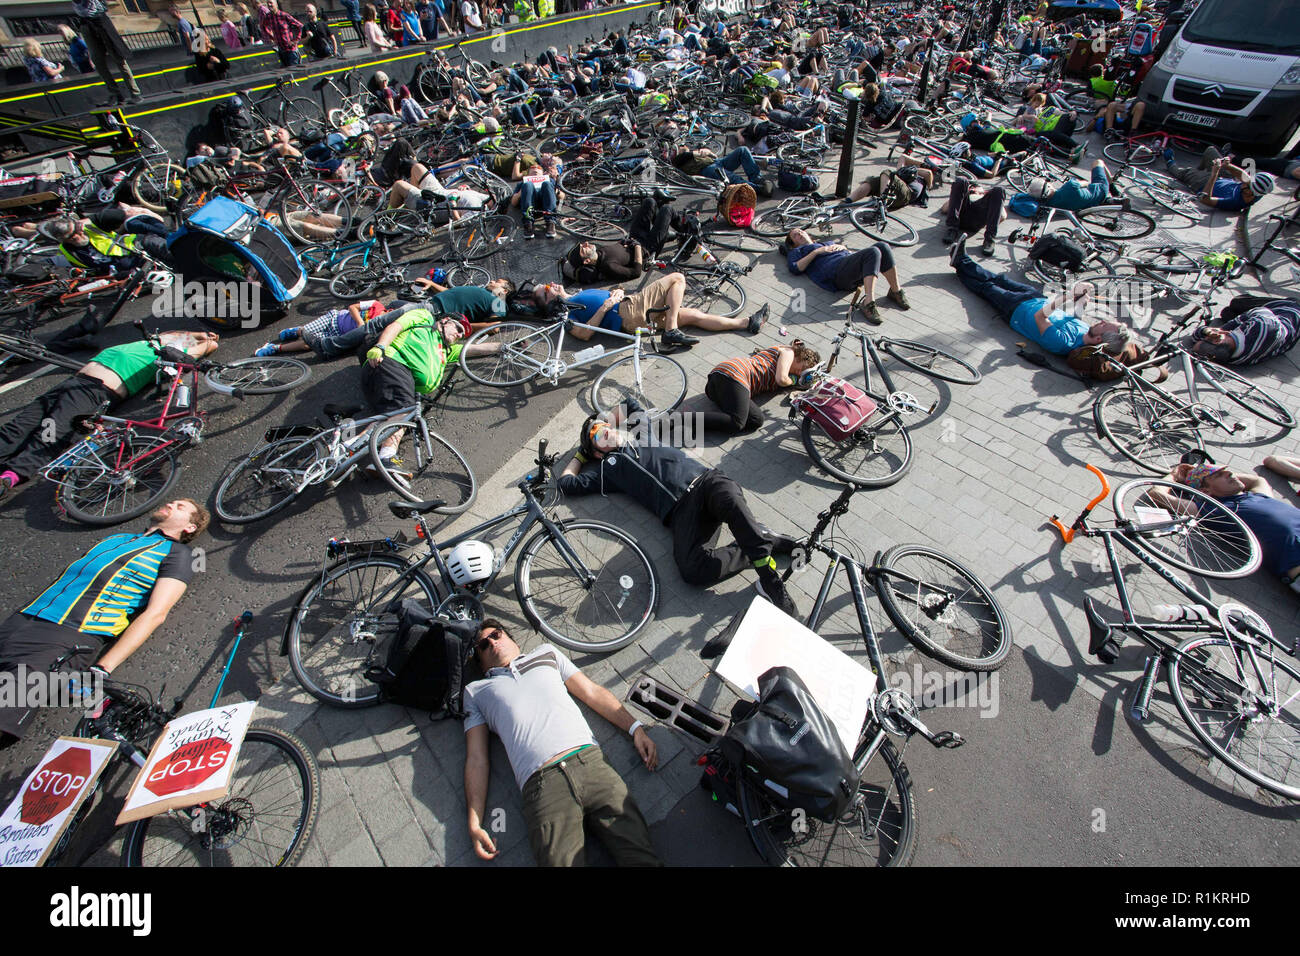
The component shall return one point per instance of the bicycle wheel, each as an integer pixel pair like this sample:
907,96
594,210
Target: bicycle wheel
313,210
1138,154
1186,528
266,818
661,388
481,236
340,618
875,222
943,608
1095,264
1248,718
486,181
464,275
714,292
508,353
258,376
426,466
1145,427
299,112
264,481
583,226
932,361
1133,297
791,214
602,207
1247,394
126,475
354,282
876,455
878,829
1117,224
738,240
593,616
154,185
726,118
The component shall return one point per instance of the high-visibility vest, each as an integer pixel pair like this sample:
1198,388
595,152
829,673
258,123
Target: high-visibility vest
545,8
105,243
524,10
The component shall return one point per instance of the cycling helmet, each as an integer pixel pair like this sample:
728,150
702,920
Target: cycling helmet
967,120
438,275
1037,187
491,124
57,229
1262,184
159,280
469,561
959,151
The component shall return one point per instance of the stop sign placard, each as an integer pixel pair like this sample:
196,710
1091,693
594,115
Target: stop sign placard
55,785
188,766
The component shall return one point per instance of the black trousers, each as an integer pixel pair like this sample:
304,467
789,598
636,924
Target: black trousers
714,501
651,224
871,261
23,445
973,215
739,413
38,644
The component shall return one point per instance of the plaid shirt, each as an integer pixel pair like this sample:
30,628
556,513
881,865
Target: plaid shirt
281,30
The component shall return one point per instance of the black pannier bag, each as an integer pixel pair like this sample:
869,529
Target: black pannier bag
1059,251
791,750
422,663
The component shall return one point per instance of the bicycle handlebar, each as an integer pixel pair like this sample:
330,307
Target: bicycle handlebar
1081,522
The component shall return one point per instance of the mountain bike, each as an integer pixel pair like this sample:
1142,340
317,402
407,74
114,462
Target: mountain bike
586,585
1238,695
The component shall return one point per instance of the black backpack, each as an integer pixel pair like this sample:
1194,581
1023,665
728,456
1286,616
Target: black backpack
230,123
422,664
785,740
1059,251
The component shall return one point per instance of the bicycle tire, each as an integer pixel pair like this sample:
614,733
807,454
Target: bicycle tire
932,361
147,841
467,275
714,292
1095,265
1157,449
94,500
956,619
662,386
353,283
480,237
155,185
1240,735
590,227
486,181
1137,155
330,660
726,118
1133,297
1214,544
1247,394
890,825
737,240
527,349
883,226
1120,225
299,112
284,458
849,460
432,467
258,376
564,611
317,198
791,214
602,207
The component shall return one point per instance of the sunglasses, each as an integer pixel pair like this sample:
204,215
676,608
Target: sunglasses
483,643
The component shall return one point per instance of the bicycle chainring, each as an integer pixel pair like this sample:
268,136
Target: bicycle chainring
890,707
461,607
905,403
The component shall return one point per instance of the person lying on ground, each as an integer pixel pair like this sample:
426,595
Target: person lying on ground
836,269
1218,183
1252,329
734,384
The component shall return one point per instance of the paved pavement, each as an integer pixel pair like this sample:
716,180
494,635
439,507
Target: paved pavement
1053,772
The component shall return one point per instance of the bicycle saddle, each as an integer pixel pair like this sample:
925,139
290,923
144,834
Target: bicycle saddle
409,509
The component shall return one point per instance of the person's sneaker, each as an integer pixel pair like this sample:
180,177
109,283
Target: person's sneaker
1111,135
134,98
770,585
899,298
765,188
678,337
268,349
870,311
1168,155
527,226
757,319
988,245
290,335
7,482
550,228
1076,154
957,251
950,235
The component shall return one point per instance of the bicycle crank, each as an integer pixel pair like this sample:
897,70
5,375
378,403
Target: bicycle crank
905,403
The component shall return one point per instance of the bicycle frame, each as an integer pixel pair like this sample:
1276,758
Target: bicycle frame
898,402
557,367
1196,411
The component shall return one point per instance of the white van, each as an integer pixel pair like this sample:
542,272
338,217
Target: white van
1232,73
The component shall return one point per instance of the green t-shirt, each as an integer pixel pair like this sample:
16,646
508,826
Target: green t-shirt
133,363
419,346
472,301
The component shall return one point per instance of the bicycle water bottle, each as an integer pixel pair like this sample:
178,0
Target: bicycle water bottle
182,396
1142,703
1180,612
586,355
708,256
96,285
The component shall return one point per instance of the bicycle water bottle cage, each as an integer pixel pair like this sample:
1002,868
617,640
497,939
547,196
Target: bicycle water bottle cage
1101,642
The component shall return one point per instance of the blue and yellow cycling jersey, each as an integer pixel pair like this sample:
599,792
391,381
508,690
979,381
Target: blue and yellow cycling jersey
100,591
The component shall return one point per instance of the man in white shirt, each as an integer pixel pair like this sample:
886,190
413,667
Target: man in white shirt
528,701
469,13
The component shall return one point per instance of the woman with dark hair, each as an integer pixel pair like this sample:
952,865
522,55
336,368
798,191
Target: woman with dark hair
734,384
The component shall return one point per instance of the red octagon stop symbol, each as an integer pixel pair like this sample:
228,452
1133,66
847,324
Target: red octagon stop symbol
188,766
55,786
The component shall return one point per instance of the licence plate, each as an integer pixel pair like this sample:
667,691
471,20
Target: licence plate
1195,119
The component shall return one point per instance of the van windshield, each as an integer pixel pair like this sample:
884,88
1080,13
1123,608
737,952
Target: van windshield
1269,26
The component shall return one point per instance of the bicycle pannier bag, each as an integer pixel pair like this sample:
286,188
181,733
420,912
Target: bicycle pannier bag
208,174
736,204
1059,251
791,750
837,406
1023,204
793,181
422,663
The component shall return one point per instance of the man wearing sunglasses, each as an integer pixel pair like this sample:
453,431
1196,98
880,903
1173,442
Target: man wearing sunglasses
528,701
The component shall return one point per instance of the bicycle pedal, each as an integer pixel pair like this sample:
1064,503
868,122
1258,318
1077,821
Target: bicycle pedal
669,707
947,740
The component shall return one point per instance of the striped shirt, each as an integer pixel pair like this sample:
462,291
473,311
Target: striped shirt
1263,332
756,372
101,591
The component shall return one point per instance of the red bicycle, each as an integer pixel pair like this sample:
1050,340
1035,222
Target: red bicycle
125,466
1144,148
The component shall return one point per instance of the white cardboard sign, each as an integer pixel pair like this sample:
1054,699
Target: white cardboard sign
32,824
191,762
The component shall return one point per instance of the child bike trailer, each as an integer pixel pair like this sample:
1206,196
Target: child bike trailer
234,269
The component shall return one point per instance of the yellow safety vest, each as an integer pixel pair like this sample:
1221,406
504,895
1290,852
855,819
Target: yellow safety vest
105,243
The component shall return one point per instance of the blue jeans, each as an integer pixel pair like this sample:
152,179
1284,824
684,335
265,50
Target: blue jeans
537,198
332,347
516,83
856,48
724,169
522,115
1000,292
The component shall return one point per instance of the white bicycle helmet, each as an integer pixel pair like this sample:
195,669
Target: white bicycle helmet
469,561
959,151
159,281
1262,184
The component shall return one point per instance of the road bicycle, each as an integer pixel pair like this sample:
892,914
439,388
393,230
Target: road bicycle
278,108
1283,272
879,452
585,585
266,817
1144,148
125,466
1151,427
941,608
812,213
297,457
1162,191
1238,695
514,353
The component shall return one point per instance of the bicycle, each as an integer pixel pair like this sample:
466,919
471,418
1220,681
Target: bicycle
125,466
266,817
514,353
1143,148
1163,192
814,213
1237,696
295,458
941,608
586,585
882,443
